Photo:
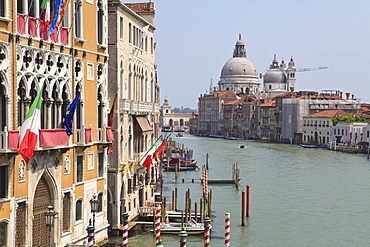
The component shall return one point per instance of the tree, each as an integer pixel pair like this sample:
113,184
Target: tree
349,119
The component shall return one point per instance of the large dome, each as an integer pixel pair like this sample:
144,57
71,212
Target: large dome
274,75
239,66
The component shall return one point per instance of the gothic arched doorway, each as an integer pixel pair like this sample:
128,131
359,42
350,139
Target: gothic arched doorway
41,201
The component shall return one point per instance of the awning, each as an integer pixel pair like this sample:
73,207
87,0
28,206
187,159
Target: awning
144,124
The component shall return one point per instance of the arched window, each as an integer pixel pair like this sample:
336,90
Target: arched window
79,209
54,108
3,111
100,108
100,198
21,103
78,110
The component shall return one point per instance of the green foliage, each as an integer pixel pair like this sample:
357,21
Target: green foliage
349,119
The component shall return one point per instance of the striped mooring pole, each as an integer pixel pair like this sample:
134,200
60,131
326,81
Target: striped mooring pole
207,236
158,225
183,234
90,234
227,229
125,230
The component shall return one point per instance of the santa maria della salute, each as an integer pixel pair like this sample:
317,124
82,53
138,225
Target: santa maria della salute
240,107
240,75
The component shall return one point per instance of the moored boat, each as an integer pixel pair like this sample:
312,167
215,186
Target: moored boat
192,227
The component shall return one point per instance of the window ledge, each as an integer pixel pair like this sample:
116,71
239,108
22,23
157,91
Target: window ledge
101,46
5,19
2,200
80,40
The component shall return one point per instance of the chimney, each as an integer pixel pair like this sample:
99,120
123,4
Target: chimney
353,96
347,96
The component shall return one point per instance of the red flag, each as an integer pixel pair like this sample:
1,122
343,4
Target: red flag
110,123
111,113
148,162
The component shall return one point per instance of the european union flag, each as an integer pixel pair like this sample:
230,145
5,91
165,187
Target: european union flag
68,117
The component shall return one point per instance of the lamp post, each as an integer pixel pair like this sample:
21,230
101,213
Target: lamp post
94,203
49,216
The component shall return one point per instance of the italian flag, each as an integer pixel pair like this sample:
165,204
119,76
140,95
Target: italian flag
148,160
30,129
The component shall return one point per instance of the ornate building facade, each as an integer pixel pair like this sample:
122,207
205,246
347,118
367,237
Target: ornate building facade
65,171
133,78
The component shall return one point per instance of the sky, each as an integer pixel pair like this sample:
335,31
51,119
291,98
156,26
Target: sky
195,38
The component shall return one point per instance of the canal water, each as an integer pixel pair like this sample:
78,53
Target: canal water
299,196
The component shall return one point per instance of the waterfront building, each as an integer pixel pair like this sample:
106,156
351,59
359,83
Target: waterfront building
170,121
348,133
266,119
132,79
317,126
211,111
245,118
64,171
293,106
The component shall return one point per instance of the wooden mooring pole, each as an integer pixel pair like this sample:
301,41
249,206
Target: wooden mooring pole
247,201
243,208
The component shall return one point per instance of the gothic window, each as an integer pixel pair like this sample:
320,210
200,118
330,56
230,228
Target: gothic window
66,224
79,209
3,111
79,110
44,108
54,108
21,102
65,100
100,108
100,15
78,18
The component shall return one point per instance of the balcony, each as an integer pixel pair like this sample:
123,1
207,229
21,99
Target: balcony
38,28
47,139
138,107
55,139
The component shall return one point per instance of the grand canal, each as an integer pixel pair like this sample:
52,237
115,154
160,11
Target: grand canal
299,197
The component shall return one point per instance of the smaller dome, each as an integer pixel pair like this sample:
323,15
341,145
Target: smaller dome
240,42
274,75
